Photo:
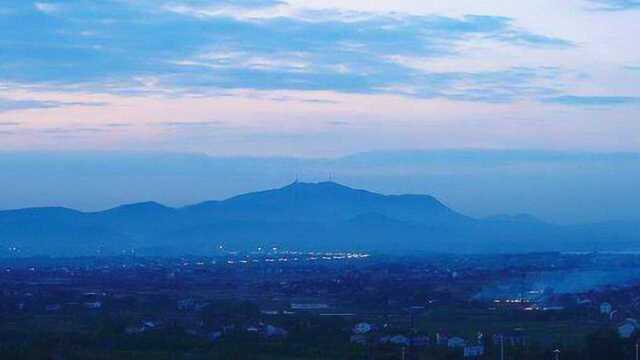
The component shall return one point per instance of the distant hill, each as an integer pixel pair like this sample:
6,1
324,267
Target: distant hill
325,201
519,218
300,216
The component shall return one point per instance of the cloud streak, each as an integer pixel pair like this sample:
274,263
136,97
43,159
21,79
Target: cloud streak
261,45
13,104
615,5
596,101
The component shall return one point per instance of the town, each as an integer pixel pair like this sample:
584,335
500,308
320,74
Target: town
280,304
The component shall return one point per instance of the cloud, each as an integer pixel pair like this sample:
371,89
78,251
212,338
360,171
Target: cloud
235,9
9,123
597,101
338,122
262,45
615,5
13,104
71,130
47,8
190,123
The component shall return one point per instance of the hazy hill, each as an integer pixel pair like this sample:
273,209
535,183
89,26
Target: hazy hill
300,216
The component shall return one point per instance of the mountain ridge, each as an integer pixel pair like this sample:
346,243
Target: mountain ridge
314,216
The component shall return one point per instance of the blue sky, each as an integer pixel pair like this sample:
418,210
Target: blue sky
318,78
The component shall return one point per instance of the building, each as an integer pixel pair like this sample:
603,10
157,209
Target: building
358,339
605,308
273,332
513,338
93,305
627,328
309,306
399,340
420,341
473,351
362,328
456,342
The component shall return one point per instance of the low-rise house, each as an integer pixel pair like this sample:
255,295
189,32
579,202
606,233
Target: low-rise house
309,306
185,304
420,341
627,328
456,342
53,307
213,336
143,326
442,339
400,340
473,351
252,329
359,339
605,308
513,338
93,305
271,332
616,316
270,312
362,328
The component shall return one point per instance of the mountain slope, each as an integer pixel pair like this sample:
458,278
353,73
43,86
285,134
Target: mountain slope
300,216
325,201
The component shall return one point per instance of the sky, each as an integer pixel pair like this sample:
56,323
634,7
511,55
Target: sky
86,85
319,78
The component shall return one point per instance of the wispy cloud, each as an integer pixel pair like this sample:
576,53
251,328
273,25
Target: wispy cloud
596,101
71,130
262,45
47,8
338,122
14,104
615,5
178,124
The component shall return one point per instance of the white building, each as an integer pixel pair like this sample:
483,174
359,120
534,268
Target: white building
605,308
473,351
456,342
400,340
362,328
627,328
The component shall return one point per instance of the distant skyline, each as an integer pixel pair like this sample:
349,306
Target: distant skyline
319,78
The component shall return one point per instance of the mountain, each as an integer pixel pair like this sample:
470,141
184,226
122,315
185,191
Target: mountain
299,216
322,202
518,218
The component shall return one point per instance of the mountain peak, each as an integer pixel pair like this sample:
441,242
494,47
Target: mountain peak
331,201
146,206
318,185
